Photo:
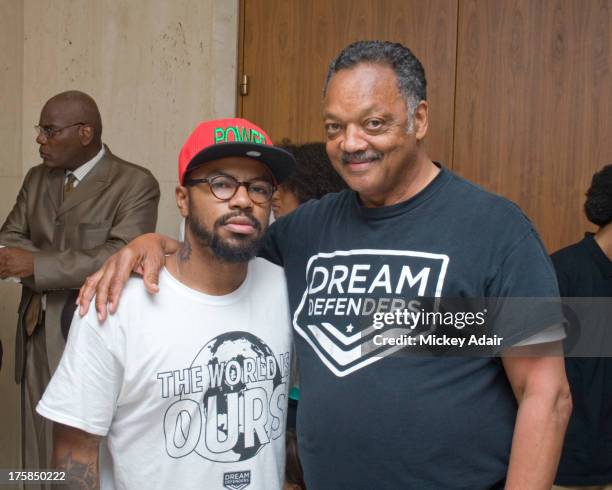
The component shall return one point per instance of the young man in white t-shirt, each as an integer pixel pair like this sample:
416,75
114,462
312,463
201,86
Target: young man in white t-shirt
188,388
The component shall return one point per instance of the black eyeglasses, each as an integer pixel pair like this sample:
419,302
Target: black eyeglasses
50,131
224,187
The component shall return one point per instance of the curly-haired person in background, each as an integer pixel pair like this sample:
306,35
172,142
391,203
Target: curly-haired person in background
584,269
314,177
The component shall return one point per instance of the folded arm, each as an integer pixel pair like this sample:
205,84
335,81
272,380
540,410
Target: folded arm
68,269
17,259
15,231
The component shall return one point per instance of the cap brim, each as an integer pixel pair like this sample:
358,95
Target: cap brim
280,162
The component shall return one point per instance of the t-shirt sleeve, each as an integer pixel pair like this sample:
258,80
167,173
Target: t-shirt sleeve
526,271
84,389
526,291
274,243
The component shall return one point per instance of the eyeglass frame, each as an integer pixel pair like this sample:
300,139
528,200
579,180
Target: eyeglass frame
51,133
188,182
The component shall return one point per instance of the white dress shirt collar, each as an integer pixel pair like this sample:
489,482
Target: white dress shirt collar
84,169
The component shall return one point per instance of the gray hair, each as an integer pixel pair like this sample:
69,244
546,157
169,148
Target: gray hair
408,70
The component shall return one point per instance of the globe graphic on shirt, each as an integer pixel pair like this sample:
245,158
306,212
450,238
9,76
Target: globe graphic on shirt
240,377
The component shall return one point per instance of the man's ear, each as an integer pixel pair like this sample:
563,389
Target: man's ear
421,120
182,200
86,134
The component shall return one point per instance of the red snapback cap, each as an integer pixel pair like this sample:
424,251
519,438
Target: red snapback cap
234,137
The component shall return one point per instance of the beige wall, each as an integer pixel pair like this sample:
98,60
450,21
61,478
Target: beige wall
11,174
155,67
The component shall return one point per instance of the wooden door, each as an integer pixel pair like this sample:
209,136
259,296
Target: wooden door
532,120
288,45
519,90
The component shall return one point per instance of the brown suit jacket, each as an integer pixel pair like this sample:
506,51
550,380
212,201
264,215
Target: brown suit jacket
115,202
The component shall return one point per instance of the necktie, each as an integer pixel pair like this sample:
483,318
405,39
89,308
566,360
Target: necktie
69,185
32,314
33,311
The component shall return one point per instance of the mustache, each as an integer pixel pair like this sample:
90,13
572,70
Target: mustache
361,156
222,220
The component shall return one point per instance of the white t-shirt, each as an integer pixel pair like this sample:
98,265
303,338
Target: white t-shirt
190,389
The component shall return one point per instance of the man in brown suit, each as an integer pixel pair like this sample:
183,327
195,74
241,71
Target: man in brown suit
73,211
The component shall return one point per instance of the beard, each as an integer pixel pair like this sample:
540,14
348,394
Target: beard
238,249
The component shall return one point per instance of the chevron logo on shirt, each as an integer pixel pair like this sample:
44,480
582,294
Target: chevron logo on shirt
345,288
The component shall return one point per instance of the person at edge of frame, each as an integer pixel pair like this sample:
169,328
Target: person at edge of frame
73,211
584,269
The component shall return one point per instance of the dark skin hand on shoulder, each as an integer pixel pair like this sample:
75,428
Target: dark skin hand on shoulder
145,255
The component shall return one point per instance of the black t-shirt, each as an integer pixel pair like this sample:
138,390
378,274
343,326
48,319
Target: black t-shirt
584,270
378,421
